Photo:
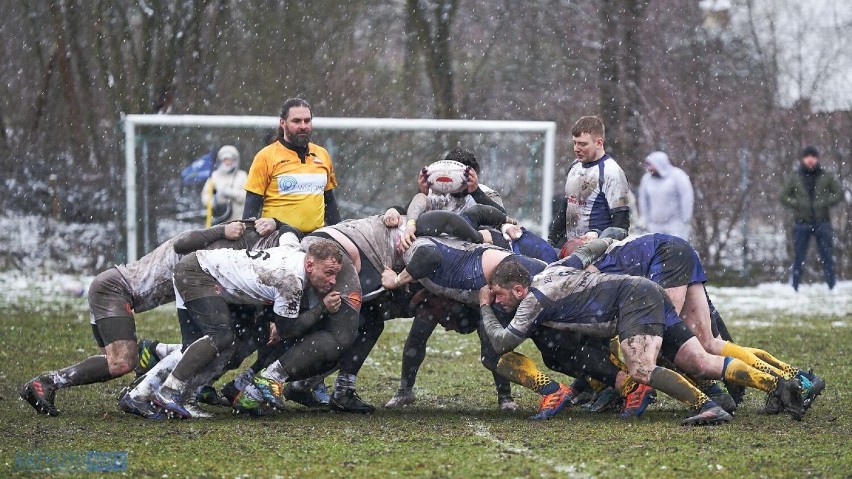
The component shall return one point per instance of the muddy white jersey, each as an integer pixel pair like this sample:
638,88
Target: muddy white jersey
272,276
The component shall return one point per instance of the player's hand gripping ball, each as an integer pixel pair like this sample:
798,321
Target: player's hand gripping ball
446,176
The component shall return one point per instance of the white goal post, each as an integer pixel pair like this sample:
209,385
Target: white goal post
548,128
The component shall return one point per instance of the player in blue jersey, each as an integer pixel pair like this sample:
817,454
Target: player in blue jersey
456,269
639,313
673,263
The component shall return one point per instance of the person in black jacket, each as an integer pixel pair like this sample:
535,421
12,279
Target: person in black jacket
811,192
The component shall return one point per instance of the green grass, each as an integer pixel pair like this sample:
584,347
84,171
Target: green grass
454,430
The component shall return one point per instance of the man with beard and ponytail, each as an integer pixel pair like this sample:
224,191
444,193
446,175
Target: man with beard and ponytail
292,180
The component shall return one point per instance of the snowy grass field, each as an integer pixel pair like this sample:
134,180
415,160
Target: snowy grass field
455,429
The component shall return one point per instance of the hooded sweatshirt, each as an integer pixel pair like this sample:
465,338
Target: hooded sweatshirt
227,183
666,198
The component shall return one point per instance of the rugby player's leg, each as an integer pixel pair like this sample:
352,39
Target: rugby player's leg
373,314
812,384
344,393
119,358
212,317
640,354
429,311
317,352
590,360
137,400
413,355
322,347
687,354
696,316
642,319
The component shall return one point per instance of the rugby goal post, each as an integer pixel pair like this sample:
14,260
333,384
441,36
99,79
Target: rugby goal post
548,128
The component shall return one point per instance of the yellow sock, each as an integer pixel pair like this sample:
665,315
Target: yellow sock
676,386
628,387
522,370
788,372
738,372
747,356
618,362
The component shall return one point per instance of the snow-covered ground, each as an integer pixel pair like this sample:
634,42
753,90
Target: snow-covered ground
740,306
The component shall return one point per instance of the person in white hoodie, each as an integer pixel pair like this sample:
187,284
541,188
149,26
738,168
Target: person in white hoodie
226,187
665,197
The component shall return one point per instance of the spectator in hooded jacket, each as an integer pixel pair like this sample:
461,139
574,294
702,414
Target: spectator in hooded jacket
226,186
811,192
665,197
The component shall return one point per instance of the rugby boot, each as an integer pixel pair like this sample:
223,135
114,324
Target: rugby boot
170,400
604,401
402,398
789,393
140,408
304,397
551,404
637,401
229,392
773,404
585,398
147,356
812,386
272,390
209,395
245,404
507,402
719,396
709,414
40,393
349,401
320,393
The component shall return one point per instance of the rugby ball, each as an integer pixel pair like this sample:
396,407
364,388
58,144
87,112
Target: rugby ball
446,176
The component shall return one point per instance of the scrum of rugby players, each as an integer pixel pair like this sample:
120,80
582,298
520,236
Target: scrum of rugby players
310,304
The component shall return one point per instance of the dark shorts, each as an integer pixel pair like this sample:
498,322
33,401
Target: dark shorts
108,330
191,282
675,336
450,314
675,263
641,308
109,297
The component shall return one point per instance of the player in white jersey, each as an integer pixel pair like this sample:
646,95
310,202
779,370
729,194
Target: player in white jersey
596,189
114,296
207,281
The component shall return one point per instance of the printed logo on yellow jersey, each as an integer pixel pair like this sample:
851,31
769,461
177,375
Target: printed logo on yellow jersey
303,183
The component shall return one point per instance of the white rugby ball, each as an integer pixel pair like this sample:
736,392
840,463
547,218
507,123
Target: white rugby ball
446,176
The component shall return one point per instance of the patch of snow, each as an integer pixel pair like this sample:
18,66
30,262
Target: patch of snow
779,298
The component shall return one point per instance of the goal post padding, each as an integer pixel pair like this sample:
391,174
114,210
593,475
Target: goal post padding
547,128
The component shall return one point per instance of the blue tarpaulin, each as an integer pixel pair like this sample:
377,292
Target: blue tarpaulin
199,170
